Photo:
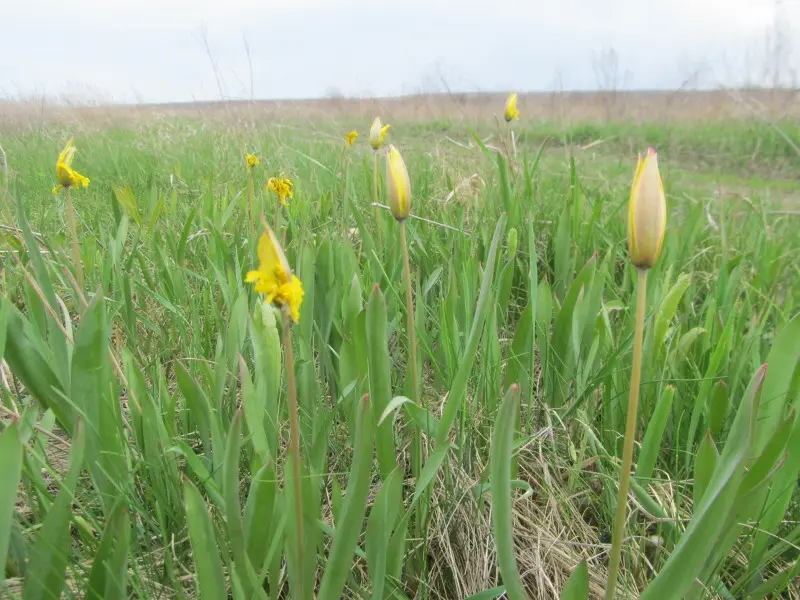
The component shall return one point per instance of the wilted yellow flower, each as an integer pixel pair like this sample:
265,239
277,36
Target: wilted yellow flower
350,137
67,177
282,187
251,160
274,278
398,186
647,212
377,133
511,112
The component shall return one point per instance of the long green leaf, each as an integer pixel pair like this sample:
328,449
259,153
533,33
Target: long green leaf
208,567
502,501
577,586
380,392
710,518
10,473
350,524
652,438
459,386
48,561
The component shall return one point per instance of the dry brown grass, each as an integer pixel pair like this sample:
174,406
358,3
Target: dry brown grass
660,106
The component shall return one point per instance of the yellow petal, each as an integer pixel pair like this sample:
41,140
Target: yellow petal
398,186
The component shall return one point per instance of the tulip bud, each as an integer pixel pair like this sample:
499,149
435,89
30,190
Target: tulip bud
511,112
377,133
647,213
398,187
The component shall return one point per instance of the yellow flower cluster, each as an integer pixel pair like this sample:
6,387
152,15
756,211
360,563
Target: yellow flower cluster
274,278
67,177
251,160
281,187
350,137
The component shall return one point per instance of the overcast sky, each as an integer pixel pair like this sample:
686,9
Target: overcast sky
154,50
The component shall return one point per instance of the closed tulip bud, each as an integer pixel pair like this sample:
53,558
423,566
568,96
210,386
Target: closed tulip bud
647,213
377,133
398,187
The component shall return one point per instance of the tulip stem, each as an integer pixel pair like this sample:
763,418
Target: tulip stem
294,444
277,223
375,198
417,452
412,341
73,231
250,201
630,434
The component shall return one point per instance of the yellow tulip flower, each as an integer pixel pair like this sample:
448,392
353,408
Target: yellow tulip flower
274,278
67,177
511,112
647,212
377,133
398,186
281,187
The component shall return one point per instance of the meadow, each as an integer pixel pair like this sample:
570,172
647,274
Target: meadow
145,401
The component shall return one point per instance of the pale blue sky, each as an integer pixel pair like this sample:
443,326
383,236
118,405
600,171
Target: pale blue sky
152,50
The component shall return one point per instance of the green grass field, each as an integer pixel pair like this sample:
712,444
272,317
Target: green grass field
144,419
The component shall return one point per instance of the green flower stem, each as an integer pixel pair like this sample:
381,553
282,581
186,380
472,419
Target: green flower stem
294,438
630,434
412,345
76,249
375,198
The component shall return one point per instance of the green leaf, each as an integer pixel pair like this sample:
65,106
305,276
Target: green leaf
782,360
502,501
652,438
380,524
703,393
349,526
233,511
208,567
718,406
109,573
23,353
124,196
92,393
667,308
380,391
562,330
459,386
10,473
577,586
710,518
50,552
259,513
704,465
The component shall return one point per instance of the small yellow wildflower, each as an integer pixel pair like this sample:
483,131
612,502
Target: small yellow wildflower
350,137
282,187
377,133
398,186
647,212
511,112
251,160
67,177
274,278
